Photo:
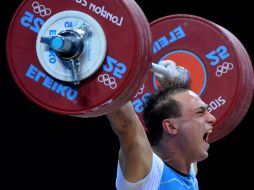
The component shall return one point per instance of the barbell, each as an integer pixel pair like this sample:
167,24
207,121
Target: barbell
85,58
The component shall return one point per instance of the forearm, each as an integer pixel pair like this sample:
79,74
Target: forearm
124,119
136,154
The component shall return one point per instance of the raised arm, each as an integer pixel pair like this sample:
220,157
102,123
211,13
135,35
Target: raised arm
135,154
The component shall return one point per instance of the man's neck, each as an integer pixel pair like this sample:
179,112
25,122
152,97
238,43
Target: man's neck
173,157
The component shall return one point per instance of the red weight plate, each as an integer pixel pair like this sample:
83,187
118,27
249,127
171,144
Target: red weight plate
146,55
143,64
208,54
124,49
247,87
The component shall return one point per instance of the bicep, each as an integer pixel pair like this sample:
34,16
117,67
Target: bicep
135,154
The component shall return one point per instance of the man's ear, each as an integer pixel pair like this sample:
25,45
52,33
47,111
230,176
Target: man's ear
169,127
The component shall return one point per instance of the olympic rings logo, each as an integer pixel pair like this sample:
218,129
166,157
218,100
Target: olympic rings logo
224,68
140,91
41,9
107,81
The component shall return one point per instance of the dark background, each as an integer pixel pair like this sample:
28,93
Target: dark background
42,150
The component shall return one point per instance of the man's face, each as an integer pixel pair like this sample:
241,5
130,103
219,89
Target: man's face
194,125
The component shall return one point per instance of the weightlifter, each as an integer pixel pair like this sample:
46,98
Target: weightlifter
178,125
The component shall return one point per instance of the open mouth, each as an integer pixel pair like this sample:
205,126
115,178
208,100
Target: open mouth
206,136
